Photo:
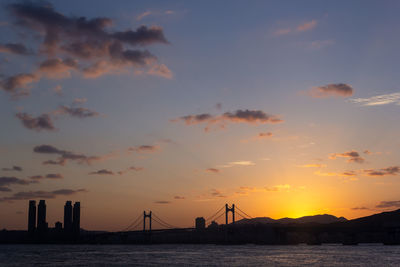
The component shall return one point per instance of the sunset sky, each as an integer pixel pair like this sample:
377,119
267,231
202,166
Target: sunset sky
285,108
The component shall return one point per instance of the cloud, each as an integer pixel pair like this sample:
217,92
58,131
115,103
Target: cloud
77,112
144,149
65,156
80,100
242,163
143,15
216,193
312,165
58,90
102,172
367,152
14,168
303,27
377,100
147,13
278,188
321,43
238,116
393,170
43,122
213,170
179,197
89,45
388,204
17,84
306,26
132,168
42,194
353,156
360,208
265,135
54,176
343,174
57,68
160,70
60,30
331,90
6,181
14,48
48,176
162,202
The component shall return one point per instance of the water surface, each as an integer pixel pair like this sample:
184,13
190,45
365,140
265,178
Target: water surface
199,255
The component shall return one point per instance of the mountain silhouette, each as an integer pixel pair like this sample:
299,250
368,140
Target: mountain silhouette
321,219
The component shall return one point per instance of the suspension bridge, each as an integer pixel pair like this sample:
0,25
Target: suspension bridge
148,221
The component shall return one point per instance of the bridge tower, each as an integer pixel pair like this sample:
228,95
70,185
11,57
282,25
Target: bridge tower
144,220
227,210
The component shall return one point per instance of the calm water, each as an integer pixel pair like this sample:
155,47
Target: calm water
195,255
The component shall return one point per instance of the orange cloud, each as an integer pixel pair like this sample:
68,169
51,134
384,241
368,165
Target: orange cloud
353,156
331,90
306,26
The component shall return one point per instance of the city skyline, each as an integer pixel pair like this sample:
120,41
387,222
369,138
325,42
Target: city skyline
180,107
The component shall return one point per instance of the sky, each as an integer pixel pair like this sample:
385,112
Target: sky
283,108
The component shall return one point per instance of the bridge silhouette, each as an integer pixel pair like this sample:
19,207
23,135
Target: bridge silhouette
139,223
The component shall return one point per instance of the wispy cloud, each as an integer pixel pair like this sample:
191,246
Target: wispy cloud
41,194
238,163
143,15
331,90
213,170
6,181
238,116
102,172
392,170
40,123
13,168
378,100
342,174
360,208
318,44
302,27
64,156
388,204
132,168
47,176
162,202
144,149
353,156
312,165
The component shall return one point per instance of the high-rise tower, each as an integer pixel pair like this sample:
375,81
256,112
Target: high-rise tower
76,223
68,216
41,218
32,216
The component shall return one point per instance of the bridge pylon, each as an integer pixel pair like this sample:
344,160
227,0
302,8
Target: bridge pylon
227,210
146,215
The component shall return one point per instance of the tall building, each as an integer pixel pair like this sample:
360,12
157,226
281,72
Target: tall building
41,217
200,223
32,216
68,216
76,223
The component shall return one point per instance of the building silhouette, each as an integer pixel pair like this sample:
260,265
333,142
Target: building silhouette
32,216
200,223
76,223
41,217
58,226
68,216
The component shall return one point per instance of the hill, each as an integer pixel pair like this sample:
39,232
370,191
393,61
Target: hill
321,219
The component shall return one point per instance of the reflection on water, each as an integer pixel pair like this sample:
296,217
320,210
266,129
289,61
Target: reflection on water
206,255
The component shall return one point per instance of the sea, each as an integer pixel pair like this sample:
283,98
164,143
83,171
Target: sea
199,255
